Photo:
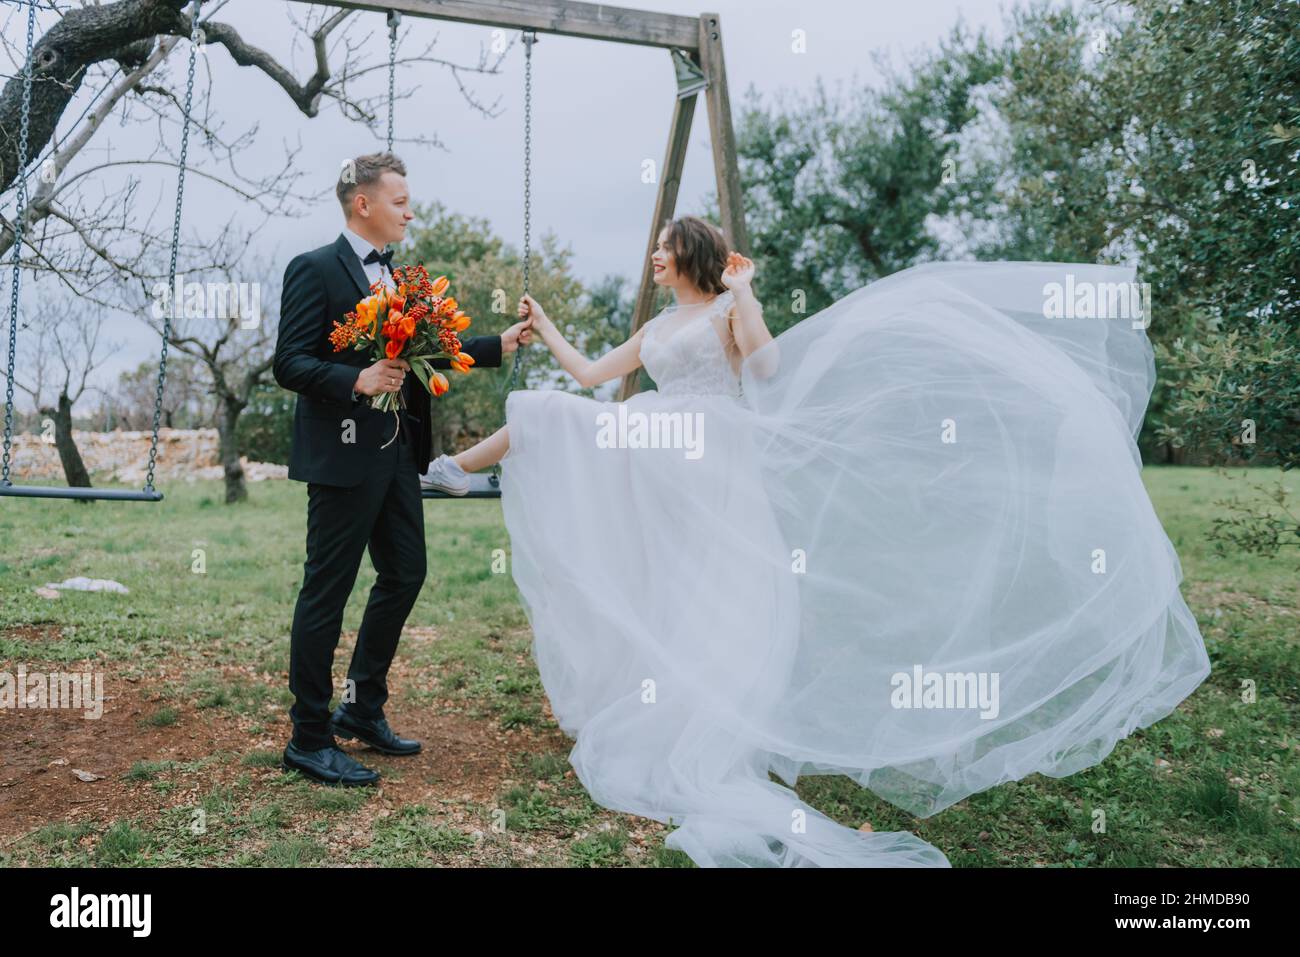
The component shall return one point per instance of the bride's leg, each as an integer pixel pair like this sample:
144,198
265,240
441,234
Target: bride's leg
488,452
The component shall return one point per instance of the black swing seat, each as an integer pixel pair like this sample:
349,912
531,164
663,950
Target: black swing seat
96,494
481,485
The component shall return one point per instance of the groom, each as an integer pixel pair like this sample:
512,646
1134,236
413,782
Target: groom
359,493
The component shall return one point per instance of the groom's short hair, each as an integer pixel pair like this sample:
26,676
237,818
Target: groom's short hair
363,171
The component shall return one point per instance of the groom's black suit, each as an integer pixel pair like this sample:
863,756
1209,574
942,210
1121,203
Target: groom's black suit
358,493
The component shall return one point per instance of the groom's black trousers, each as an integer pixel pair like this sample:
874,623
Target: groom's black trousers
385,513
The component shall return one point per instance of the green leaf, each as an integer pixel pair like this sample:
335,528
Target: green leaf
421,369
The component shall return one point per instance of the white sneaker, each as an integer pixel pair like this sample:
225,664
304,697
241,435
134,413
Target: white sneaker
445,475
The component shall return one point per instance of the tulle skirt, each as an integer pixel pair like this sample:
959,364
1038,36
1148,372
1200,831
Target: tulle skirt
916,551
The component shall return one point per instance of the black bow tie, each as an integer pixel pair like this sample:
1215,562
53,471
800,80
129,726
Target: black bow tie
375,256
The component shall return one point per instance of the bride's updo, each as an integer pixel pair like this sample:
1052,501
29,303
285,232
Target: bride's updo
699,251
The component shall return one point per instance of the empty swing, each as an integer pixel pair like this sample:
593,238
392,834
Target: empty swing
148,493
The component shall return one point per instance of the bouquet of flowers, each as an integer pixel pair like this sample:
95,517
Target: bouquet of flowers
416,321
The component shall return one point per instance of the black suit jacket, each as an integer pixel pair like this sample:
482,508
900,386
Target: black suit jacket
320,287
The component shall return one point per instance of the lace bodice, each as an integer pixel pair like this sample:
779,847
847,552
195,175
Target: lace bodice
689,350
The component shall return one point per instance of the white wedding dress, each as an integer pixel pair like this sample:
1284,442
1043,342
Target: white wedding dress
926,478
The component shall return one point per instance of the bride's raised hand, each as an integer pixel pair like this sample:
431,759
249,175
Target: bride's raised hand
739,271
530,307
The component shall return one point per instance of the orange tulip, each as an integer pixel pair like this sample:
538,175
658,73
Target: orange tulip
439,383
458,322
393,348
440,286
462,362
407,326
367,310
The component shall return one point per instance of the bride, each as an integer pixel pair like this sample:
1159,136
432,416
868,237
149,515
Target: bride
906,541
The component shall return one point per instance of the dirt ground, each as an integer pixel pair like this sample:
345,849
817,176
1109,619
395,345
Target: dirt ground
465,758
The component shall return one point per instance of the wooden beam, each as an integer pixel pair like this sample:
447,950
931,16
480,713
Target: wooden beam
670,181
731,201
594,21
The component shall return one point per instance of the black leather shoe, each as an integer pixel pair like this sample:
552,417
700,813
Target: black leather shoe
346,725
328,765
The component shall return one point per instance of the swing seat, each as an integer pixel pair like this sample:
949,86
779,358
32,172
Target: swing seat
93,494
481,485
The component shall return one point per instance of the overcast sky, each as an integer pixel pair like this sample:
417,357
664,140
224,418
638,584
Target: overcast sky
601,109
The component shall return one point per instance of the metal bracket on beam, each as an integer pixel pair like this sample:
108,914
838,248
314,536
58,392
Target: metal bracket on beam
690,78
394,20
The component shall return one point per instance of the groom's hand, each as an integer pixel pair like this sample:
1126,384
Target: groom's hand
386,375
520,334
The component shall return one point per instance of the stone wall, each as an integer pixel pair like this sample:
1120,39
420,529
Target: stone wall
183,454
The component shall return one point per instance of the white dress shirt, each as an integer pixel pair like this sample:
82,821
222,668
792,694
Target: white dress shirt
363,248
374,271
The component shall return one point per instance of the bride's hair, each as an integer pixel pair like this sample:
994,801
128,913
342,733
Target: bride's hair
700,252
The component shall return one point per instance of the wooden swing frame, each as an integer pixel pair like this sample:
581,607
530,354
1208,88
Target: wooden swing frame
697,38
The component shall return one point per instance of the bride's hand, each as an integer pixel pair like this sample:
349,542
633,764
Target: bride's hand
528,306
739,271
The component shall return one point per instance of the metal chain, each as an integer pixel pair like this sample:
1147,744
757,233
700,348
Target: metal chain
20,213
195,33
394,18
530,38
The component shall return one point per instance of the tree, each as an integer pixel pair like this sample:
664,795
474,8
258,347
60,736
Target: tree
187,401
223,328
81,225
842,189
1171,135
117,49
56,372
486,277
266,425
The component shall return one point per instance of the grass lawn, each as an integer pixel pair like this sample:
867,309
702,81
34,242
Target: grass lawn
185,758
